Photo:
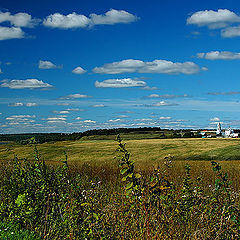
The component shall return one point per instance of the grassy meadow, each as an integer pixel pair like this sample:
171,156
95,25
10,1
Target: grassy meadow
148,189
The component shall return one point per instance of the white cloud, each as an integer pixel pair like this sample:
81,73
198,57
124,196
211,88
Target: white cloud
164,118
72,20
78,118
61,112
120,83
156,66
63,104
149,88
78,70
21,118
74,109
75,96
159,104
24,116
115,120
56,119
75,20
215,119
143,119
167,96
10,33
122,116
46,65
98,105
28,83
153,96
89,121
31,104
231,32
163,103
19,19
223,93
216,55
17,104
112,17
215,123
213,19
0,113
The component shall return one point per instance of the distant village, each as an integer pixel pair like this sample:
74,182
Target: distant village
220,133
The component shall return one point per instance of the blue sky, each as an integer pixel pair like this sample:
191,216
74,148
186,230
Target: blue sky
69,66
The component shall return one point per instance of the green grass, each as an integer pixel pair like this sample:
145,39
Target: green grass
12,232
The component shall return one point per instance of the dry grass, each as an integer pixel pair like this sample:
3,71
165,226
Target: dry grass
143,151
189,209
148,154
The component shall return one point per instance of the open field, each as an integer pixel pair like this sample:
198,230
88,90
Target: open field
143,151
148,154
102,194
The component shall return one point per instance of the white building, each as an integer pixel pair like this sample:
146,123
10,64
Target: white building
219,129
229,133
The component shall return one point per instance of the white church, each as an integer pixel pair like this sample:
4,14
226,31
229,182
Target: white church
228,133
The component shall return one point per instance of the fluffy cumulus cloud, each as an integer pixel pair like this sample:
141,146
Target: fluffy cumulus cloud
72,20
10,33
78,70
75,20
156,66
22,84
120,83
213,19
18,19
47,65
16,22
231,32
75,96
112,17
216,55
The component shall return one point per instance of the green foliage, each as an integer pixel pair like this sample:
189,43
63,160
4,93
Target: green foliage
13,232
127,170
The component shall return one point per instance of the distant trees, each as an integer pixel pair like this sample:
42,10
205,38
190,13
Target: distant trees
52,137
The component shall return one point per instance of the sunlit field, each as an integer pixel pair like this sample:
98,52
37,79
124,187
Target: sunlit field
148,189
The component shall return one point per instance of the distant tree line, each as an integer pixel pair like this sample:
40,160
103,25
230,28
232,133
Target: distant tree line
49,137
